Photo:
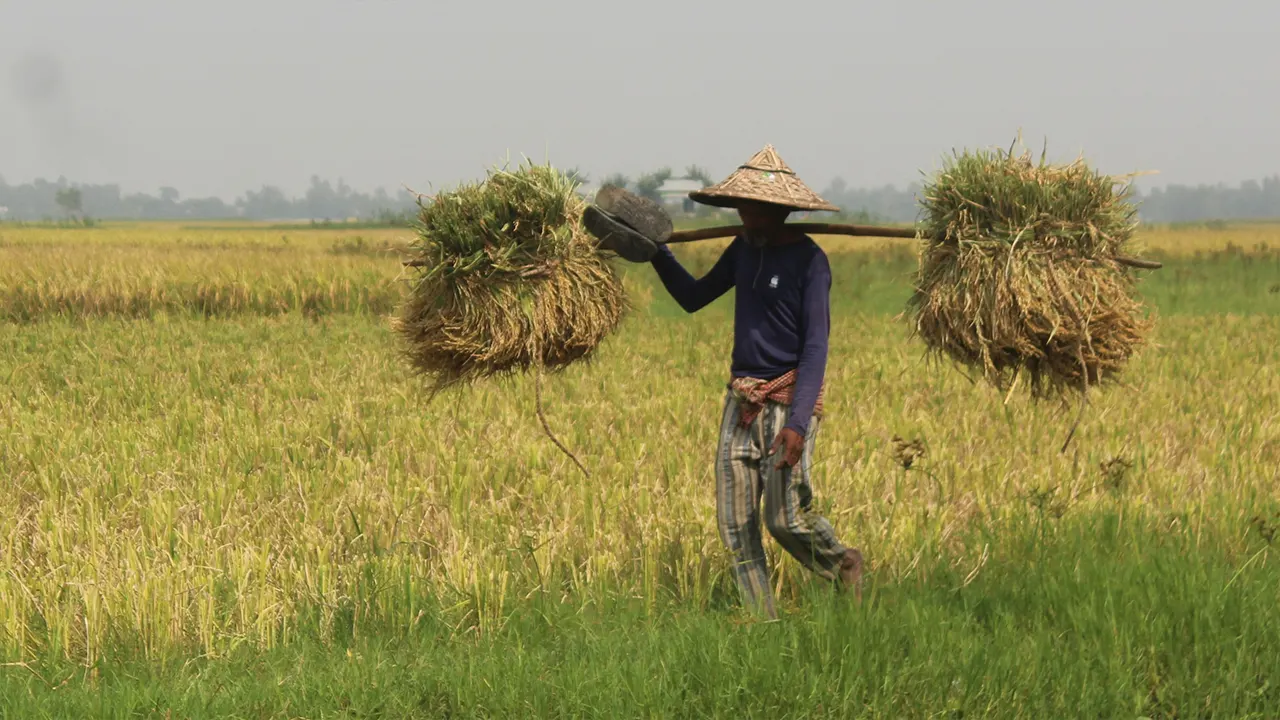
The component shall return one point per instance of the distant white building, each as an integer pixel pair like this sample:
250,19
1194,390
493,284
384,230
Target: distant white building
675,194
3,211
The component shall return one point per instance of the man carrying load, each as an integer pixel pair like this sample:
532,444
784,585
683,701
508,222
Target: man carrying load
774,402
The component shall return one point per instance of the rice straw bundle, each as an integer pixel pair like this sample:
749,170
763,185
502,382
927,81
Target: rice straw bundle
1018,272
508,280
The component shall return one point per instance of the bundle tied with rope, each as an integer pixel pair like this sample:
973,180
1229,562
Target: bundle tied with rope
506,281
1023,272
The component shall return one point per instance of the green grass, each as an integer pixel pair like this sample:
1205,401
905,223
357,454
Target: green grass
1217,283
1101,616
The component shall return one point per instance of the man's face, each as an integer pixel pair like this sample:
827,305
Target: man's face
761,216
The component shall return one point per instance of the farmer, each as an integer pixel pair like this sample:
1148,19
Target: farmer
774,400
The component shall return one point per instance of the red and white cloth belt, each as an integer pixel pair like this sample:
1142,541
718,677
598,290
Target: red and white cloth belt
753,393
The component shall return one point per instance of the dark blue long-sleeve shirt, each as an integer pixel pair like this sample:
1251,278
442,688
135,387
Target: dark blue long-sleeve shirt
782,311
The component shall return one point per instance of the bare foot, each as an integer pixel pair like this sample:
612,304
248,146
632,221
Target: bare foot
851,571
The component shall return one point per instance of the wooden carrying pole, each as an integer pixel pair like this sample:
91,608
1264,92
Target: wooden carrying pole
724,231
853,230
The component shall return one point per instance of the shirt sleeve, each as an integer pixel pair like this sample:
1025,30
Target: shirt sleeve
815,323
691,294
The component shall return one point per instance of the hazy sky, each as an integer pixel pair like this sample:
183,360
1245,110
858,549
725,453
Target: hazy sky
219,97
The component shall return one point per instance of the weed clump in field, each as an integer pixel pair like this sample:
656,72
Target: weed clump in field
1019,271
508,280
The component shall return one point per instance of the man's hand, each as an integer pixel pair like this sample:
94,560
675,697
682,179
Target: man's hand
792,444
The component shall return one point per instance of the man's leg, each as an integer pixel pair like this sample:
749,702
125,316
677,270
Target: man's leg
788,497
738,507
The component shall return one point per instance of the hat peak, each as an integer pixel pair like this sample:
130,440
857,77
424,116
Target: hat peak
767,159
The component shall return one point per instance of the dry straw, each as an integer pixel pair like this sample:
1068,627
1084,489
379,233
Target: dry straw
507,281
1018,273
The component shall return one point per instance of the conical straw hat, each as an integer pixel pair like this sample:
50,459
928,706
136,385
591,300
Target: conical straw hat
764,178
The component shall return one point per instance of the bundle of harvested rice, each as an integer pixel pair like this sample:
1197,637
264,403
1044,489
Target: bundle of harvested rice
1019,271
507,280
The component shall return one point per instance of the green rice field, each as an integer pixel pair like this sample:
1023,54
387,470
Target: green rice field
225,495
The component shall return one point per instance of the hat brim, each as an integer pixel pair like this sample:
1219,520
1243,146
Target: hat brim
773,185
734,201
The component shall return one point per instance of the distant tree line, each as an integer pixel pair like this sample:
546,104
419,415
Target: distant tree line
1251,200
324,200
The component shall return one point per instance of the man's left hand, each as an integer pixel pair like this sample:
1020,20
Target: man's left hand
792,444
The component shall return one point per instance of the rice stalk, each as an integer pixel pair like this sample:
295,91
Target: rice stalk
508,282
1018,272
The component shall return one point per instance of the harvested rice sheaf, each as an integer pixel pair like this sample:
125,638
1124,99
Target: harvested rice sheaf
507,280
1018,271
